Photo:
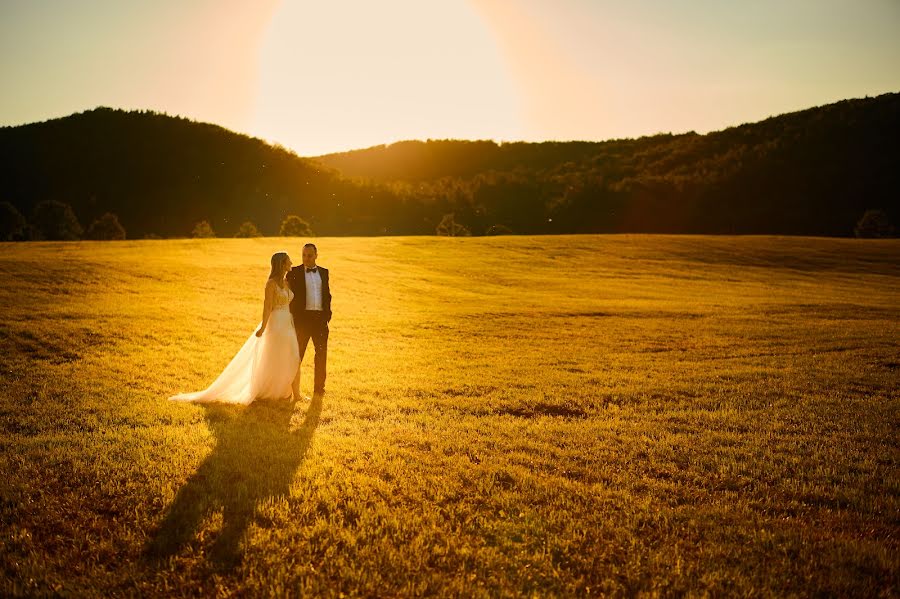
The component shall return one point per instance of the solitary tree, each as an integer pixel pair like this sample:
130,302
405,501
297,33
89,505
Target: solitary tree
12,223
55,221
448,227
203,229
498,230
874,223
248,229
294,226
106,228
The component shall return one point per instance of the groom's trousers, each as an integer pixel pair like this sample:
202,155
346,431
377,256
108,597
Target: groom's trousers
312,324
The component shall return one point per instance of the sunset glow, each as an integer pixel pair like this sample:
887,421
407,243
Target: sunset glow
320,77
347,74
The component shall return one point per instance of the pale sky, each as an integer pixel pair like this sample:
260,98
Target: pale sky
323,76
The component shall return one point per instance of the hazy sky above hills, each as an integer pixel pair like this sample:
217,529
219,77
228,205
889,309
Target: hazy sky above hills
342,74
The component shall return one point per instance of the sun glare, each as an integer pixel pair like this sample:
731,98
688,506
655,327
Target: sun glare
342,75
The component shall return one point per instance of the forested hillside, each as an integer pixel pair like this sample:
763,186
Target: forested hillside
809,172
813,172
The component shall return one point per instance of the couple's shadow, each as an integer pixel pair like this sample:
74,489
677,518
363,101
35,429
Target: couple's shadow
258,450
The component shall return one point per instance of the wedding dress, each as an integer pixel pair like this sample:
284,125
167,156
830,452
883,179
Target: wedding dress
264,367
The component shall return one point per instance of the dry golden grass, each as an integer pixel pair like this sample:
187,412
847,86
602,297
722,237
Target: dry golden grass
576,415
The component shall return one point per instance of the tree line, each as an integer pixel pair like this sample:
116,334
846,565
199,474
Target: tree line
815,172
55,221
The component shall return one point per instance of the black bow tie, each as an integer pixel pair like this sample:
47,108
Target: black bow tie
313,269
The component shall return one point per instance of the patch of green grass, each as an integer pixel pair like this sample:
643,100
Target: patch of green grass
575,415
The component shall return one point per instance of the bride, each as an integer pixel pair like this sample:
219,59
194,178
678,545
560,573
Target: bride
265,366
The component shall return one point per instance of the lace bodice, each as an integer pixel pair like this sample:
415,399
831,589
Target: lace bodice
282,298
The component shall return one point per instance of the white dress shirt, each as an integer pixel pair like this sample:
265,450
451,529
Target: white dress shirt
313,290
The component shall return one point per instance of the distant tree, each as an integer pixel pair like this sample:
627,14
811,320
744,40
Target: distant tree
30,233
106,228
55,221
152,236
248,229
12,223
203,229
498,230
294,226
874,223
448,227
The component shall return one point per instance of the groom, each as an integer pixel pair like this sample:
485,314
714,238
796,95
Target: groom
311,308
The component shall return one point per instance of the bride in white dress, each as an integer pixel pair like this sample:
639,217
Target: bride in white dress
267,363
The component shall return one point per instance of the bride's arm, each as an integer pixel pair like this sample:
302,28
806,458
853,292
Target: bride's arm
267,305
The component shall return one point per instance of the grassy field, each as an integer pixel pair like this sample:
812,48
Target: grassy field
577,415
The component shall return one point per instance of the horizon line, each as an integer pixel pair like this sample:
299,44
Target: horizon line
498,142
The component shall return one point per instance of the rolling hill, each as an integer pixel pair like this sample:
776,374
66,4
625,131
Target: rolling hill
812,172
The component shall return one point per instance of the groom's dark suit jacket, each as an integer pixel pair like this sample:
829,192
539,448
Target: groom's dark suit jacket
297,280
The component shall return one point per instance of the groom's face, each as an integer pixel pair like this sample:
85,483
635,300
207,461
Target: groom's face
309,256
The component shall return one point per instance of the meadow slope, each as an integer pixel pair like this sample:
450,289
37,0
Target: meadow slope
574,415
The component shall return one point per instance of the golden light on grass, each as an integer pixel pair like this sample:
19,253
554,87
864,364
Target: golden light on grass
520,415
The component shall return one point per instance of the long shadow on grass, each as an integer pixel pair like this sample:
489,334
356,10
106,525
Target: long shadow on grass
256,455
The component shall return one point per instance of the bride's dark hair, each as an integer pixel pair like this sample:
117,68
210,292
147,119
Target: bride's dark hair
277,261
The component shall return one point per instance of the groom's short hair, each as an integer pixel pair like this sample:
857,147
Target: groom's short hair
311,245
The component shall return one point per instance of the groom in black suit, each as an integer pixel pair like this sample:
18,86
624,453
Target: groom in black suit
311,308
